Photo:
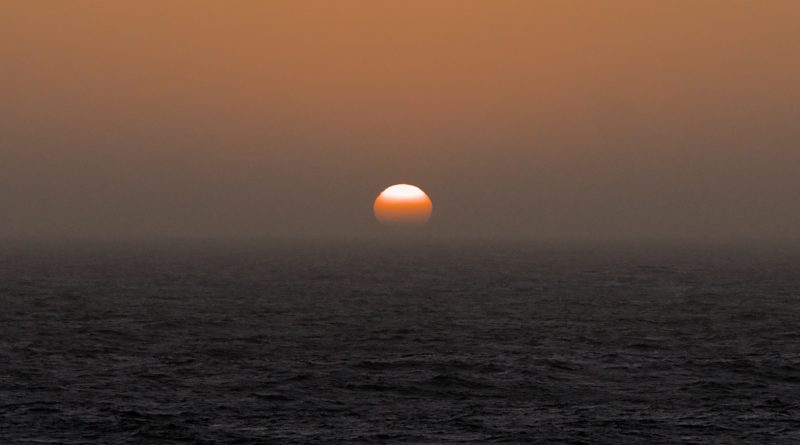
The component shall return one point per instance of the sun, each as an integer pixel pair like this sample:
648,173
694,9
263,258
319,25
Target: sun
403,204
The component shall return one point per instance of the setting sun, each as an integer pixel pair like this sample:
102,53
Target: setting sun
403,204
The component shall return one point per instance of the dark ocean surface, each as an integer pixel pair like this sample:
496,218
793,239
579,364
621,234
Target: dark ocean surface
384,343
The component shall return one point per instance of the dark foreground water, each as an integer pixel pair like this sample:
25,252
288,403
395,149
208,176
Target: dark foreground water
389,344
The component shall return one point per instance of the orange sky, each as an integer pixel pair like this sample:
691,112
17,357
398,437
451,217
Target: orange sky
538,119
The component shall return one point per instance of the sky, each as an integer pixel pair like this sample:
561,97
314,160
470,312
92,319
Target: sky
531,119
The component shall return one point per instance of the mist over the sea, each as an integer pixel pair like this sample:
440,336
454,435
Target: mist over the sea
546,120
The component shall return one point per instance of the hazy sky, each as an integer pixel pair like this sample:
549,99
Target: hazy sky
541,119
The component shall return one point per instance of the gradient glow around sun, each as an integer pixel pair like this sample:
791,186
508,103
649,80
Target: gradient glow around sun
403,204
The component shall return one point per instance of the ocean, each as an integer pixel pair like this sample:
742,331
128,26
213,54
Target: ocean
426,343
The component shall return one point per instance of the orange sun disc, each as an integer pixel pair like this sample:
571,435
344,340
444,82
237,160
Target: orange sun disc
403,204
